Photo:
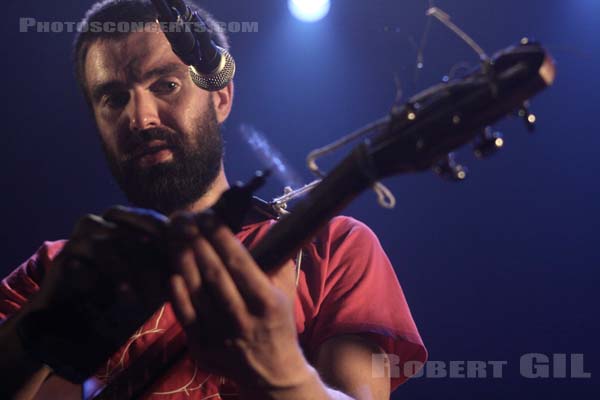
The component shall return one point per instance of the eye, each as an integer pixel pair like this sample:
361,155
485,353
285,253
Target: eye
165,87
116,99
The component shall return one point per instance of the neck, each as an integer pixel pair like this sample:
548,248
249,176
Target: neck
212,195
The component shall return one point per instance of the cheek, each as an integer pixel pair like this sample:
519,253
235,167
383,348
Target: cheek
111,129
190,108
107,137
182,122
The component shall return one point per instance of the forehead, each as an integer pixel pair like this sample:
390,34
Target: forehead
127,58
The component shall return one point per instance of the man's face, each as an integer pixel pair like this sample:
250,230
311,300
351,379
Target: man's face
160,132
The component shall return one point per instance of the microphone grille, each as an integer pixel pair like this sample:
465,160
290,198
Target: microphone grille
219,78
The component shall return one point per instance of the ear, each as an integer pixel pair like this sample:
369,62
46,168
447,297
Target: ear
222,100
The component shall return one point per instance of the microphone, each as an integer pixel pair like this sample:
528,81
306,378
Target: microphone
211,67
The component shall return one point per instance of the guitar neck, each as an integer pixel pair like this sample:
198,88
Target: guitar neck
339,188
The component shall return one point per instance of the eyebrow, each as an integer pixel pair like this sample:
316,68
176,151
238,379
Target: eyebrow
100,89
167,69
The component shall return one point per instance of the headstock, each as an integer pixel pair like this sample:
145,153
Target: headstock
422,133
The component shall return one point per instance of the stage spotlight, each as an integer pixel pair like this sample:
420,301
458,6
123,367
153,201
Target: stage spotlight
309,10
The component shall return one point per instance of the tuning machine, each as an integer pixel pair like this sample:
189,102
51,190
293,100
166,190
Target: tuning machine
487,143
449,169
527,116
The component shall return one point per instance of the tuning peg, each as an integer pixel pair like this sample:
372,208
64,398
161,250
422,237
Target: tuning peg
487,143
527,116
447,168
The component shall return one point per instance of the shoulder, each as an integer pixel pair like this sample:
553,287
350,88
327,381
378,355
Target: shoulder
18,286
39,262
46,253
346,241
347,228
49,249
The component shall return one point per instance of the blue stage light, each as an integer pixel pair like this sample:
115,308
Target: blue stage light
309,10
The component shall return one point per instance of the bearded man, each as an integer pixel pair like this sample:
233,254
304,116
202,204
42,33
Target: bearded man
249,334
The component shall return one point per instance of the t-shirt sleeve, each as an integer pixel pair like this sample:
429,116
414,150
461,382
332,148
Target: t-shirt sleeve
360,294
24,281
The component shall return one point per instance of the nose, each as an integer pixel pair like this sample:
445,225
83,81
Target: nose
142,112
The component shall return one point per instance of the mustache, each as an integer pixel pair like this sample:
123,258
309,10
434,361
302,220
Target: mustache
142,138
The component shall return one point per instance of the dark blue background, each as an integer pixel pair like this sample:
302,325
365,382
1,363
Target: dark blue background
499,266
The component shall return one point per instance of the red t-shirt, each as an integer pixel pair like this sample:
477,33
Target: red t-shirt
346,285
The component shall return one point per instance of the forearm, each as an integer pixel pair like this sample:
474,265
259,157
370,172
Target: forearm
20,375
309,387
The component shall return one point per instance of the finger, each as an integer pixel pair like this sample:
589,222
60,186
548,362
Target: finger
95,244
99,241
183,264
92,226
181,301
217,282
77,247
147,221
85,263
114,263
80,251
116,273
133,275
81,248
76,260
182,231
138,239
182,228
252,282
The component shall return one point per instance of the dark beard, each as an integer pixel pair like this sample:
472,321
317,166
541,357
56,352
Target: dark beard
173,185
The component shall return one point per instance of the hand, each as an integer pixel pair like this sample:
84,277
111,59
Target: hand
239,321
118,245
101,287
